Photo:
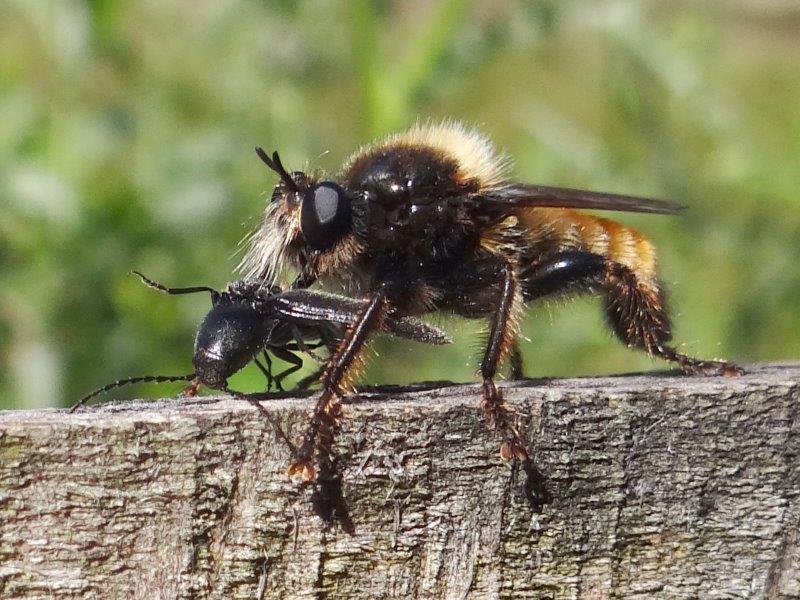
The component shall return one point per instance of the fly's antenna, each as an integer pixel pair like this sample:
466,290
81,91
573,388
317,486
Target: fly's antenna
275,164
129,380
174,291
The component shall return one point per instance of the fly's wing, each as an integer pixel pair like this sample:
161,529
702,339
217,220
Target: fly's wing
308,307
514,195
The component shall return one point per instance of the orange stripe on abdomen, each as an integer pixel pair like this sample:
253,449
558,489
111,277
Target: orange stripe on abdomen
566,228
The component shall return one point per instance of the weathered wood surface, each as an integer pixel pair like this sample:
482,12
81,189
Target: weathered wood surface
662,486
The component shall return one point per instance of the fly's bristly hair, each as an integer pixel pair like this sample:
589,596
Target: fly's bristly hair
472,151
481,174
267,247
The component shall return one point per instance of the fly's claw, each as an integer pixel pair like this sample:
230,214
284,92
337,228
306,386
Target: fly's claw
303,469
513,448
710,368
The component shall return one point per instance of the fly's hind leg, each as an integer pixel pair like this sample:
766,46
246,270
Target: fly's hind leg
501,341
637,315
634,306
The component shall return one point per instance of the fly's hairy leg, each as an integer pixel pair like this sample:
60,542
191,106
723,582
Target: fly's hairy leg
634,305
502,336
637,315
341,366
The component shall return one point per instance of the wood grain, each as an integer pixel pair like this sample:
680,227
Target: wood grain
661,486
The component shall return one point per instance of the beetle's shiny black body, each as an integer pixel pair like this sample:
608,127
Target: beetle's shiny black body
230,336
245,320
248,318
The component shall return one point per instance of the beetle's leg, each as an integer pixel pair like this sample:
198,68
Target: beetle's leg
330,342
292,359
308,380
267,371
302,346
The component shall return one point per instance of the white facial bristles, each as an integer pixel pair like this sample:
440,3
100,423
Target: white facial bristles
266,246
472,150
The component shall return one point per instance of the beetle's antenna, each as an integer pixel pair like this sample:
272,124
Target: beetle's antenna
275,164
174,291
129,380
246,398
264,413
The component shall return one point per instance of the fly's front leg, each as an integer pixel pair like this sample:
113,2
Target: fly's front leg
341,366
502,337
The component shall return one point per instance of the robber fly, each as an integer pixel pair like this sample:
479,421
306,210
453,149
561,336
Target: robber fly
247,318
427,220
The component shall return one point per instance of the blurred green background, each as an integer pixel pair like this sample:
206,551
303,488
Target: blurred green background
127,133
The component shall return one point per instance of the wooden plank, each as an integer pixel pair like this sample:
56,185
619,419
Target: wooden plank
662,486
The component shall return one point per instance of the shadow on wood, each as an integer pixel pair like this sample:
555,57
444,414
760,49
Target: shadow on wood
661,486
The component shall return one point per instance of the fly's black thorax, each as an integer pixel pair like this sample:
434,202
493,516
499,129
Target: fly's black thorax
411,209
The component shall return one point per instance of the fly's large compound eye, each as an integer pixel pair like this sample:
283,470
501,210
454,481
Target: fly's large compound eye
325,215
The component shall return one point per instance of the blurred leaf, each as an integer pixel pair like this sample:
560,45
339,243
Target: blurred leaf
128,132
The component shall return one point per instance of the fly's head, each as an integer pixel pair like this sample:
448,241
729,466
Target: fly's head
307,222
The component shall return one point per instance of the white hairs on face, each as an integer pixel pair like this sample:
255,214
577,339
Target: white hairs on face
266,247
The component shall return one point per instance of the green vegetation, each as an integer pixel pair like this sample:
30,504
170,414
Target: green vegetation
127,128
